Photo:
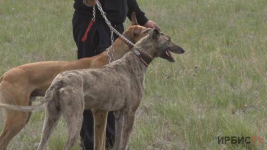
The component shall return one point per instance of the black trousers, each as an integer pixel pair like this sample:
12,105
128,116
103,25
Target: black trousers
98,39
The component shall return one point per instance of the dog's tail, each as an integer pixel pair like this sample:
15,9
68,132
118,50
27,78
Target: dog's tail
50,95
25,108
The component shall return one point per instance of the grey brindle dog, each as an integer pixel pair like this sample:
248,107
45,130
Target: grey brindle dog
115,87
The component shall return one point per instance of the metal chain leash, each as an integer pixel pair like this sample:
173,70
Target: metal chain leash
111,58
112,30
94,12
112,41
99,6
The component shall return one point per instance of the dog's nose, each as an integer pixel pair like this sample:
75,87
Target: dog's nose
181,51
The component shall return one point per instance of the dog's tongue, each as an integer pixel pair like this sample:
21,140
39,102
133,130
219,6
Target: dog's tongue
168,53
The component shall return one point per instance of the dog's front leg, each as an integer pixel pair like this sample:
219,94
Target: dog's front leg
118,128
100,122
127,126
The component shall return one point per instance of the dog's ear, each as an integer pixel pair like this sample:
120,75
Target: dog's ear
155,34
133,18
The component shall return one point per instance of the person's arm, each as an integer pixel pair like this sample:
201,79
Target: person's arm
140,15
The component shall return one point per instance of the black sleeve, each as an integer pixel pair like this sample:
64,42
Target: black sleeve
140,15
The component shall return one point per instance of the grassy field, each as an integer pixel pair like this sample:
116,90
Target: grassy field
217,88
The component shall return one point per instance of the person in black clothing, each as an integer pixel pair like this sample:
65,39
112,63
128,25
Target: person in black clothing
98,39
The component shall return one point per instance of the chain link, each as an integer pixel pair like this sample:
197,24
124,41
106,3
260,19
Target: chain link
112,43
111,58
94,12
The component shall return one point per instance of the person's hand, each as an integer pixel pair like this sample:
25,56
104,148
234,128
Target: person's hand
151,24
90,3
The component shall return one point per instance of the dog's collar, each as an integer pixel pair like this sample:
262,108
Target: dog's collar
145,59
128,44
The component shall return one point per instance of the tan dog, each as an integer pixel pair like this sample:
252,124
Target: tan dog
22,83
115,87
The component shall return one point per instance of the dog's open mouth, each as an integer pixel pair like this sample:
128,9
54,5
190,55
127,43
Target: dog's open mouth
169,56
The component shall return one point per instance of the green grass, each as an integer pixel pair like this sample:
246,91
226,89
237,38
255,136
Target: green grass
217,88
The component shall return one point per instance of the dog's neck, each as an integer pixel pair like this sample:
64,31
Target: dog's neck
136,68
